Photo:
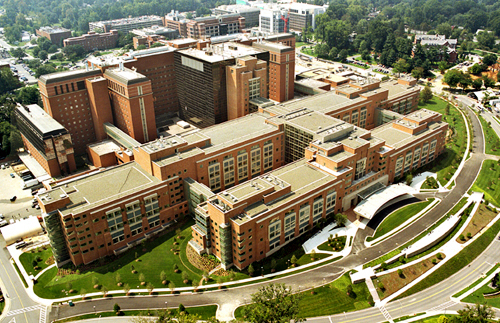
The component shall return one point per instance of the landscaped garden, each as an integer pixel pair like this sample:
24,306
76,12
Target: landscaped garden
456,145
492,142
479,297
488,181
398,217
430,183
462,259
334,244
390,283
481,218
336,297
37,259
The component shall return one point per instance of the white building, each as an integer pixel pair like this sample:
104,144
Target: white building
272,21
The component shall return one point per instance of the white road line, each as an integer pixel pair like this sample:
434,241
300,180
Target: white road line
24,310
43,314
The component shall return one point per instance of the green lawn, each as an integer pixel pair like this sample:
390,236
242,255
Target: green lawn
487,181
301,43
398,217
339,242
449,160
330,299
396,251
371,61
477,297
28,257
477,281
205,313
492,142
158,257
429,184
462,259
20,275
309,52
433,319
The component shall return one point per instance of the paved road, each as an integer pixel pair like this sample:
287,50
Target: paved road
316,276
21,309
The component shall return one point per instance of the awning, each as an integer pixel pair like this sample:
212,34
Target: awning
376,201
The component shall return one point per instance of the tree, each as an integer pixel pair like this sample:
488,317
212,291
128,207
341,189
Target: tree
477,313
83,292
274,303
8,81
273,265
293,260
442,65
73,52
29,95
43,55
488,82
340,219
185,277
142,278
251,270
477,84
426,94
417,73
126,289
401,66
95,282
44,69
486,39
465,81
118,278
150,288
476,69
409,179
163,276
343,55
116,308
105,291
452,78
171,286
17,52
447,109
182,308
489,59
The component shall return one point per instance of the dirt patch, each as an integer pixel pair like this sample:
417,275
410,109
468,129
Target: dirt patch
393,282
481,218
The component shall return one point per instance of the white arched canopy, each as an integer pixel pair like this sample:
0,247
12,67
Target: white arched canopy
20,230
383,198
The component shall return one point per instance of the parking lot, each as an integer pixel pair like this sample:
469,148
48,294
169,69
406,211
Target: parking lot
10,187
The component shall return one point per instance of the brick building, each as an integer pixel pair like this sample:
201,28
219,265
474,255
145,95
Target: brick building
94,41
46,140
56,35
126,25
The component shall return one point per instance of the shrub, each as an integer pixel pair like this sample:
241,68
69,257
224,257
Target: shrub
163,277
381,286
383,265
469,235
349,289
118,278
400,273
185,277
176,268
34,263
116,308
402,259
434,261
142,279
439,256
181,308
251,270
462,237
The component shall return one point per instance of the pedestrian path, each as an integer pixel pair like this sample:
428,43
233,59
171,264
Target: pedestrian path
386,314
43,314
24,310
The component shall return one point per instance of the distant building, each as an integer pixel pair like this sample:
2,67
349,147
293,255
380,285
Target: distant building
251,14
56,35
94,41
175,20
156,30
440,41
273,21
126,24
303,15
46,140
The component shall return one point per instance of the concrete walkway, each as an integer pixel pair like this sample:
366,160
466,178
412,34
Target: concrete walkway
419,180
348,231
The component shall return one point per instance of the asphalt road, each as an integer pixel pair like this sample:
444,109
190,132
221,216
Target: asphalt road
20,307
317,276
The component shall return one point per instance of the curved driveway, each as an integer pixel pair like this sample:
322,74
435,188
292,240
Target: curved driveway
231,298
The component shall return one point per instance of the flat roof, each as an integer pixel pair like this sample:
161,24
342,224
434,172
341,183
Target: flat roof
397,138
68,75
396,89
300,176
236,131
324,102
90,191
176,157
41,119
275,47
221,52
126,75
104,147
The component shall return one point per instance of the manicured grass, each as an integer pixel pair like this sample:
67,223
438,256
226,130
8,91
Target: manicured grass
433,319
301,43
28,257
20,275
371,61
463,258
205,313
448,161
487,181
392,282
158,257
309,52
330,299
477,281
492,141
430,183
477,297
396,251
338,243
398,217
481,218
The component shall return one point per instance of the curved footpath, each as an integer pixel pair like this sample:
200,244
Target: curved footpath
229,299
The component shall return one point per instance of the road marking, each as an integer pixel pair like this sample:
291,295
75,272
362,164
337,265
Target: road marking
43,314
24,310
442,290
13,320
385,313
443,306
12,283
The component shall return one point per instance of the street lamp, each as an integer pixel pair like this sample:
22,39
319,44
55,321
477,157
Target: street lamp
262,270
166,306
95,310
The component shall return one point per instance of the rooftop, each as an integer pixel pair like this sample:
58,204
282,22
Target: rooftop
325,102
397,138
104,147
124,21
89,191
41,119
53,30
221,52
397,89
68,75
126,75
273,47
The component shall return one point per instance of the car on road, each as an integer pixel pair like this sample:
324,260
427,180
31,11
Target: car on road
12,175
13,199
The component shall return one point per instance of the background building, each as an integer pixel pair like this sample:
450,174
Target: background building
46,140
94,41
56,35
126,24
273,21
251,14
303,15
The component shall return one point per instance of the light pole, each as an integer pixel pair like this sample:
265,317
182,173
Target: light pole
166,306
95,311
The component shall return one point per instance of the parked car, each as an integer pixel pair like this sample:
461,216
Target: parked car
13,199
12,175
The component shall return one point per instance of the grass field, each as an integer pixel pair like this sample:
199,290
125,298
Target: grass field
429,183
433,319
396,251
150,263
462,259
339,242
492,141
454,151
487,181
477,297
398,217
204,312
330,299
301,43
309,52
28,257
